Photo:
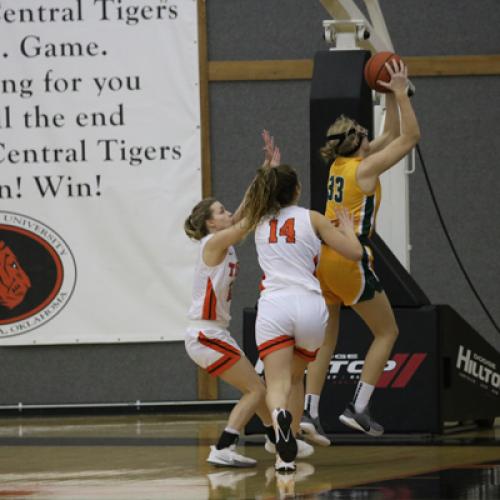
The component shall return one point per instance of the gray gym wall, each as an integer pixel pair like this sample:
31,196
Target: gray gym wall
459,118
459,122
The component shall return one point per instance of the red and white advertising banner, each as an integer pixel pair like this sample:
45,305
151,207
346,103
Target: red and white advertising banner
100,162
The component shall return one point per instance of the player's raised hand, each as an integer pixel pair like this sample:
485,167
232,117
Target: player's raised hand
269,146
399,77
276,159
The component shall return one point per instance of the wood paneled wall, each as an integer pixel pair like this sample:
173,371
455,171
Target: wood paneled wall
301,69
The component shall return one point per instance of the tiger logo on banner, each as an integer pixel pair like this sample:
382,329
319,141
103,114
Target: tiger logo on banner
37,274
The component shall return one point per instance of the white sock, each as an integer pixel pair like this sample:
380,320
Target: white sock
362,396
231,431
312,405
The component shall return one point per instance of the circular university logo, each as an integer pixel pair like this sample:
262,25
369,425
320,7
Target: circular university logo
37,274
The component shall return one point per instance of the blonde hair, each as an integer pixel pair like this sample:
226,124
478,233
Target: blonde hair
195,226
271,189
340,146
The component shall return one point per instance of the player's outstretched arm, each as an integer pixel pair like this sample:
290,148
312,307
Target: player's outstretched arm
374,165
272,158
216,247
392,126
342,239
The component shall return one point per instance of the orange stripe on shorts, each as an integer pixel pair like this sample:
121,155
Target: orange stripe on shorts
305,354
273,345
218,345
223,364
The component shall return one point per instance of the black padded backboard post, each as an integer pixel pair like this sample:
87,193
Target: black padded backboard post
337,87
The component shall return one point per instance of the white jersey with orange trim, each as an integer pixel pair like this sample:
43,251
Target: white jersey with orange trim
211,296
288,250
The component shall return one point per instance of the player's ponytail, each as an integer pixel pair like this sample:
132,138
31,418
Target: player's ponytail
195,225
342,139
271,189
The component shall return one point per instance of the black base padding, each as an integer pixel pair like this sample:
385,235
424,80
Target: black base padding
441,370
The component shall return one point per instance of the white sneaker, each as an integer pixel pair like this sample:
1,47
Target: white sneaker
227,457
282,466
303,449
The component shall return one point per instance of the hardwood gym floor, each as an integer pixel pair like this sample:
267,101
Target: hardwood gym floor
162,456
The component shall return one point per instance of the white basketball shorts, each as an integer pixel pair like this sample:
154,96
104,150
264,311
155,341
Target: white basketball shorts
287,318
212,349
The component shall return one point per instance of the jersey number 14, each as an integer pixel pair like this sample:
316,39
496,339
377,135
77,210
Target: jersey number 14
287,230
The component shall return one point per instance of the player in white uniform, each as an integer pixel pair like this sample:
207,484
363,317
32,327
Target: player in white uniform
209,311
208,341
291,314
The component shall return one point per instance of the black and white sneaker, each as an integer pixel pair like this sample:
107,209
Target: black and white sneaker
361,421
312,430
286,444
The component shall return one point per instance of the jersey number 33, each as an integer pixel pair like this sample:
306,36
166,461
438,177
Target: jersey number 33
336,188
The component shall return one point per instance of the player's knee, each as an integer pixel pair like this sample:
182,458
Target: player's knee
260,391
257,389
282,386
393,332
387,332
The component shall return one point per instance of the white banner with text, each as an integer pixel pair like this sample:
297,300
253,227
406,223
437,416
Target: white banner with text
100,161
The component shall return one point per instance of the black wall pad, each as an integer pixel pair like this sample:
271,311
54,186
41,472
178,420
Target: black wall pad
440,370
337,87
471,372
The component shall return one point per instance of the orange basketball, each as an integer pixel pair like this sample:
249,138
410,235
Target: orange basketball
375,69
